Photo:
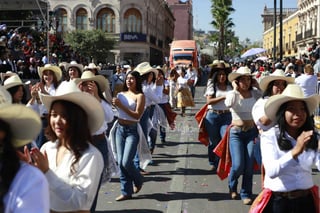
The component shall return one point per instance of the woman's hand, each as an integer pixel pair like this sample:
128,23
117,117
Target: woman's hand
25,155
40,160
234,84
302,141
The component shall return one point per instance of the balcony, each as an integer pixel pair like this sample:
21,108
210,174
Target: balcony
308,34
299,37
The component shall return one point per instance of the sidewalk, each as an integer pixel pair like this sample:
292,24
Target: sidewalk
180,180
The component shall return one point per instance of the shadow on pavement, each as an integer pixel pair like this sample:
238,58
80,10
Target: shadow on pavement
171,196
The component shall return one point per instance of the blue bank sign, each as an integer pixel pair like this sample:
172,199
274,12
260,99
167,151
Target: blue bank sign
133,37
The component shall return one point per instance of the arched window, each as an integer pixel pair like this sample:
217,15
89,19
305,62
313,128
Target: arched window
133,21
82,19
106,20
63,21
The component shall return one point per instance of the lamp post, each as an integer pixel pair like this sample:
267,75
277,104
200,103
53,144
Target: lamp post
274,30
281,29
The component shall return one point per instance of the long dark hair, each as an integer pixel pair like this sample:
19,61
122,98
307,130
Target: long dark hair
285,144
55,79
213,75
14,89
9,161
137,76
77,133
268,91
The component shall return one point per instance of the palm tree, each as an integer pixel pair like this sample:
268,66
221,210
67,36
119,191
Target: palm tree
221,10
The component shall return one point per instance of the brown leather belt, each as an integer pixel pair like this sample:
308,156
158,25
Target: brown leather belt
219,111
293,194
98,137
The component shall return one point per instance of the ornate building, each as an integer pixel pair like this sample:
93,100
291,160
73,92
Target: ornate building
144,29
308,29
300,28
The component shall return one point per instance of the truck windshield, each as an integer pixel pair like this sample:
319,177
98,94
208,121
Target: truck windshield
177,57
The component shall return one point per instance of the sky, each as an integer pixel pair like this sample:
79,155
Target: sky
247,16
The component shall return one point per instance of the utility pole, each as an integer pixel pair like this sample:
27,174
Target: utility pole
281,37
274,30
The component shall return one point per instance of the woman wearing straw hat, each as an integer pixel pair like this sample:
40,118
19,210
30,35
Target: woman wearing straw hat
50,76
93,68
15,87
289,151
72,165
95,85
74,70
270,85
152,89
21,184
243,131
218,116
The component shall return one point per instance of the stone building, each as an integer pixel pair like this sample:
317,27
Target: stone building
182,11
143,29
300,28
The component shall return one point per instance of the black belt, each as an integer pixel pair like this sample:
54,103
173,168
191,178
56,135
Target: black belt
219,111
293,194
98,137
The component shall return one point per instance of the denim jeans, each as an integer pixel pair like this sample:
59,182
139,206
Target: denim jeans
216,125
241,144
127,139
163,129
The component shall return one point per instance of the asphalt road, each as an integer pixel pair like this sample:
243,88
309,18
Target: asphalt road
180,180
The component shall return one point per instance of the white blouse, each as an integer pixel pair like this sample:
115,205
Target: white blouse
29,192
73,192
283,172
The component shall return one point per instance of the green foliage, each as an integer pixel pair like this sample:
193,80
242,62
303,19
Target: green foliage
221,11
94,44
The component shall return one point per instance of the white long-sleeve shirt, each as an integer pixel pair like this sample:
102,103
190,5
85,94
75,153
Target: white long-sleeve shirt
73,192
152,93
283,172
29,192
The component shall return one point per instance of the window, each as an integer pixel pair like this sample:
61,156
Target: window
132,21
63,21
106,20
82,19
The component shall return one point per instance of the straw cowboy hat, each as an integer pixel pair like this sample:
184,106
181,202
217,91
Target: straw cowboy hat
25,123
240,72
144,68
12,81
68,91
92,66
292,92
76,65
6,75
90,76
216,62
278,74
55,69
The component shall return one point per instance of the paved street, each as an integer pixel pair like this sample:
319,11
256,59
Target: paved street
180,180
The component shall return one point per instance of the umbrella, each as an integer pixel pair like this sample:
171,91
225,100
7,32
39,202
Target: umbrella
261,58
252,51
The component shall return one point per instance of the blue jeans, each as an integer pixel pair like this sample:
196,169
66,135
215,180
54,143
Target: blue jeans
127,139
163,129
216,125
241,150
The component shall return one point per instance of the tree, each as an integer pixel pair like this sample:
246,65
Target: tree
94,44
221,10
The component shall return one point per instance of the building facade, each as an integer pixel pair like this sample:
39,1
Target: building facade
182,11
308,29
300,28
143,29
